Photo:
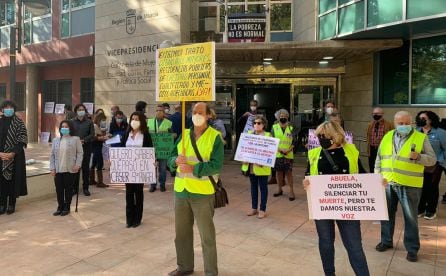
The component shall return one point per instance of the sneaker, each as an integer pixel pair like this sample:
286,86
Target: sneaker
412,257
381,247
420,215
430,216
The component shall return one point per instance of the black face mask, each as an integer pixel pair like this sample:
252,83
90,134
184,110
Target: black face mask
283,120
324,142
377,117
421,122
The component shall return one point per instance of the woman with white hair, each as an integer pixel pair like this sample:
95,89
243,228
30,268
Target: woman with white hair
284,131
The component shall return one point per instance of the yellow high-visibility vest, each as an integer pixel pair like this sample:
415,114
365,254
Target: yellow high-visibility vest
399,168
188,181
258,170
351,153
286,140
154,127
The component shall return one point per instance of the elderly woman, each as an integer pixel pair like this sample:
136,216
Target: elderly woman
428,122
346,158
284,131
258,174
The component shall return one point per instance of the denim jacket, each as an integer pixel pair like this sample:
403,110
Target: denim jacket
75,153
437,138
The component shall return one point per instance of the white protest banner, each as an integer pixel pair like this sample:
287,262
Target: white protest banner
49,108
347,197
249,123
60,108
113,140
89,107
313,142
257,149
132,165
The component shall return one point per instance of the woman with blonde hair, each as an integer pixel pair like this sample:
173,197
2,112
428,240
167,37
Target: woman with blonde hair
335,156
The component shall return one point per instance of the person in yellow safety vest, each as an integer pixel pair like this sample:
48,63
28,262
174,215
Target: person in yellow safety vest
194,192
345,159
159,124
258,174
284,131
402,155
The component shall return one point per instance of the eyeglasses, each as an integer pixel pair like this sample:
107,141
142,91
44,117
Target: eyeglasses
258,123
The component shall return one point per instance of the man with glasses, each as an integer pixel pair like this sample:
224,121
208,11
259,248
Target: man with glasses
375,133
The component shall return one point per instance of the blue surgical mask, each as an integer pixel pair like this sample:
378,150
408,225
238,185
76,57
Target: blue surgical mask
404,129
81,113
119,120
9,112
64,131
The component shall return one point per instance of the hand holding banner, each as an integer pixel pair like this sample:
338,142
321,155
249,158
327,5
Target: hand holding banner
132,165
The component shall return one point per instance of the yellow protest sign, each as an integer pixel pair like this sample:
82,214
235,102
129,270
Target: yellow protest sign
186,73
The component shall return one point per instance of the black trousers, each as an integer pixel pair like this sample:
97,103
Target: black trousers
372,158
134,199
64,191
85,168
429,197
7,192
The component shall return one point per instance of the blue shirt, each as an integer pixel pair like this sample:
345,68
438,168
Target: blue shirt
176,123
437,138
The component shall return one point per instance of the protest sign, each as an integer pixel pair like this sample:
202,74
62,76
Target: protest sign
249,123
257,149
313,142
60,109
163,143
113,140
89,107
186,73
347,197
49,108
132,165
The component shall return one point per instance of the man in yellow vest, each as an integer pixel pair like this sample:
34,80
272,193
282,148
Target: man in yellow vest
402,156
194,192
159,124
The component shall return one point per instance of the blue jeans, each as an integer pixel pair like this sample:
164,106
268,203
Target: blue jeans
162,170
256,183
409,197
350,231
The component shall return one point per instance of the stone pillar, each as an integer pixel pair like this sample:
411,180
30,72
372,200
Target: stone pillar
32,102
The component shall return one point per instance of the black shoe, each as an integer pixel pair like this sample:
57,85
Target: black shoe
163,188
152,189
65,212
10,209
444,199
381,247
291,198
278,194
136,224
177,272
86,192
172,174
412,257
57,213
129,225
2,210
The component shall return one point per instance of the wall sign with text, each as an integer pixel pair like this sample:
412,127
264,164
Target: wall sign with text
247,28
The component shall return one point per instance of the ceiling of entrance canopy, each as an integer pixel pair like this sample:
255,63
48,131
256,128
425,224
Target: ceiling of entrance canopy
301,51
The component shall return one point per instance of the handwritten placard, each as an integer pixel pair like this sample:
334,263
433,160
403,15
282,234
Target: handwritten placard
313,142
132,165
347,197
186,73
163,143
49,108
257,149
60,109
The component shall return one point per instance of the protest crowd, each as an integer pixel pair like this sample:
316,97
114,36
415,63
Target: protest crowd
409,160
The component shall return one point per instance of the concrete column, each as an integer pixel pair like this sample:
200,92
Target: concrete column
32,102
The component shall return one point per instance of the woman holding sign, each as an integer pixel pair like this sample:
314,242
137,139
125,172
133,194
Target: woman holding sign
258,175
335,156
137,136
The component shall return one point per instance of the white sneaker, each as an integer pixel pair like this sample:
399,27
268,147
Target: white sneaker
430,216
420,215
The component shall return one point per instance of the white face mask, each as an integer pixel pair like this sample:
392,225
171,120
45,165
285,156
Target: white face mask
135,125
198,120
253,108
329,110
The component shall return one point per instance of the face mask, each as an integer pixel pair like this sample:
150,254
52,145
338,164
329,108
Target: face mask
64,131
119,120
329,110
324,142
377,117
283,120
81,113
9,112
421,122
253,108
198,120
404,129
135,125
166,110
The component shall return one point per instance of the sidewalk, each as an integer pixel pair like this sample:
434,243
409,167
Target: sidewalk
95,240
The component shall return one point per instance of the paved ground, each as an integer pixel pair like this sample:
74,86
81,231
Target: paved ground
95,240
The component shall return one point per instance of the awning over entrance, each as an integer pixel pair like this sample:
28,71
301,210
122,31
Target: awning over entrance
301,51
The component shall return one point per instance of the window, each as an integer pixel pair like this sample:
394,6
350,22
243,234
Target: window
327,25
417,8
326,5
77,17
281,17
57,91
351,18
2,92
19,97
87,90
7,18
36,29
384,11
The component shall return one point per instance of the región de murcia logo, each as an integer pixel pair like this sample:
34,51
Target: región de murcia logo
131,18
130,21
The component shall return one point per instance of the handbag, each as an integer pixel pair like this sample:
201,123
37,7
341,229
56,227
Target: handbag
221,197
334,167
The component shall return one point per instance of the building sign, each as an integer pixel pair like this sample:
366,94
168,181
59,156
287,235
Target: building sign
257,149
186,73
347,197
132,165
247,28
